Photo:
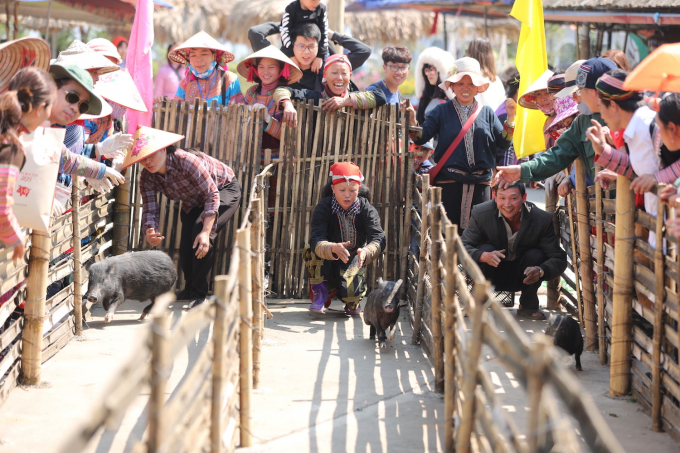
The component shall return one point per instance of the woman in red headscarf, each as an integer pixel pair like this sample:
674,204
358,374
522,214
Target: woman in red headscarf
345,237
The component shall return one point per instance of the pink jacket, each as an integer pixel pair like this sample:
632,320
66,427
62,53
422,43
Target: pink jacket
167,81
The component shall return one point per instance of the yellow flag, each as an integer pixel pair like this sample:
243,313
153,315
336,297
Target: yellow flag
532,62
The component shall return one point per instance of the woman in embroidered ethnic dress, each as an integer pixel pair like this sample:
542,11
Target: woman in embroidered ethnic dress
345,236
466,176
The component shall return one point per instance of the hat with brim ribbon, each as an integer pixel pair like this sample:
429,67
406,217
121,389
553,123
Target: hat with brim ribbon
119,87
466,66
248,67
105,47
21,53
79,54
80,75
570,80
148,141
564,108
201,40
527,100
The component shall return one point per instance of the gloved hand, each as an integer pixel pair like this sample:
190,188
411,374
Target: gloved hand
100,185
115,177
267,116
57,208
554,181
114,146
117,164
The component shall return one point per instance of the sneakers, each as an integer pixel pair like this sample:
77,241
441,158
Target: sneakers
352,312
320,294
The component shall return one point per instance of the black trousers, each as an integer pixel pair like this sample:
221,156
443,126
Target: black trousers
453,200
198,272
508,276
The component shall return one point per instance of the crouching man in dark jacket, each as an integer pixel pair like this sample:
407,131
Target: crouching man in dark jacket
515,245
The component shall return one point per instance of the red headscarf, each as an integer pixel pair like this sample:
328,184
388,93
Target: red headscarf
335,58
346,172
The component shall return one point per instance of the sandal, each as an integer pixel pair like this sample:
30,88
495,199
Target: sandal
536,315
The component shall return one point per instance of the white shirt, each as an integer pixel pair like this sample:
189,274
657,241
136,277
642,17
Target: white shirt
494,96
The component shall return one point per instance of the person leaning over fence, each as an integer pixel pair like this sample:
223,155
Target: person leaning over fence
210,196
515,245
207,76
469,136
345,237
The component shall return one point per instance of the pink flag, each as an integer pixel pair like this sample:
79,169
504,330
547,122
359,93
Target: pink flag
138,63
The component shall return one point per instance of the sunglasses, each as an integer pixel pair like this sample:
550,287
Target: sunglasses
72,97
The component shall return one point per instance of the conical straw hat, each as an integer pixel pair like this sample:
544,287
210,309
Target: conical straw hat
540,84
79,54
20,53
147,142
201,40
119,87
243,67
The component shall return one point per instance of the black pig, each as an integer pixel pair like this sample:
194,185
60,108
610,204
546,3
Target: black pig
136,275
382,311
566,334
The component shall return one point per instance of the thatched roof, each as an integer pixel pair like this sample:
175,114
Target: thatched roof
188,17
610,4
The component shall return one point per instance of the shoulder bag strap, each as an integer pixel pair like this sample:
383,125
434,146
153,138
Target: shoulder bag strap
435,170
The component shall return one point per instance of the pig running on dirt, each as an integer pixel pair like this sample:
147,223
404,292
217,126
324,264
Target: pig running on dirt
566,334
136,275
382,311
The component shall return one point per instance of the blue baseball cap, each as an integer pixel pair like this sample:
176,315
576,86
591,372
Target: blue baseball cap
591,70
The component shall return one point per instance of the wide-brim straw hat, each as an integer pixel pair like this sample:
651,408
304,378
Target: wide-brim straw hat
201,40
119,87
79,54
526,100
466,66
243,67
570,80
147,142
80,75
21,53
564,108
105,47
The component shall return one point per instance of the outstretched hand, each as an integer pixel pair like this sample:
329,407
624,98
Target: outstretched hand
289,114
596,136
153,238
507,175
339,249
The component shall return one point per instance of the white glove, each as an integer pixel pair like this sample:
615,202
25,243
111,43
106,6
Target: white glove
57,208
117,164
115,177
100,185
267,116
554,181
114,146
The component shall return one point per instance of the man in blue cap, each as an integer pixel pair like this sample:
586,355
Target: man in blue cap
572,144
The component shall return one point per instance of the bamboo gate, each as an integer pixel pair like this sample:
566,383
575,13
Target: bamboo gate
635,304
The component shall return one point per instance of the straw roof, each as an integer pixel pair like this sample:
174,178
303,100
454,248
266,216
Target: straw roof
631,4
188,17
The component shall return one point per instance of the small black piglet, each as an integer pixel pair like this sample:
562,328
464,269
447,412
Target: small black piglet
566,334
136,275
382,311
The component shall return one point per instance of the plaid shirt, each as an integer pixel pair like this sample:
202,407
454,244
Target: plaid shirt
192,179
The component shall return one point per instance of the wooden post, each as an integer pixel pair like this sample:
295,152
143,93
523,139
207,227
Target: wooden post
121,217
422,260
659,296
256,270
160,371
472,367
535,380
410,187
589,313
599,218
551,200
336,18
574,258
450,338
435,278
77,259
246,338
34,311
219,364
619,380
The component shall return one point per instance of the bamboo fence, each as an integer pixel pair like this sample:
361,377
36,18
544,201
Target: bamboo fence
474,417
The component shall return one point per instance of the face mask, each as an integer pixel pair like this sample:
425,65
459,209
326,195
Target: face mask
547,112
583,109
203,75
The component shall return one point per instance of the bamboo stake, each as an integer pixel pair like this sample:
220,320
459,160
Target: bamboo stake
619,381
450,339
246,345
121,216
422,260
659,326
256,270
471,368
535,376
574,256
77,260
551,200
160,372
602,337
219,362
589,313
34,311
437,338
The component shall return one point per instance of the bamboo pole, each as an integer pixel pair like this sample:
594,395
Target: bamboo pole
574,257
256,270
551,200
619,381
471,369
246,344
450,339
160,372
659,327
219,364
437,339
588,291
602,337
77,260
535,378
34,311
422,260
121,217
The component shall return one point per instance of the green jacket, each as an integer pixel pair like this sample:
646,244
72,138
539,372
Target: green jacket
571,145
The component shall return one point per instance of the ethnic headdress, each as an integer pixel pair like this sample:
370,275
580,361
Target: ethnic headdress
610,88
